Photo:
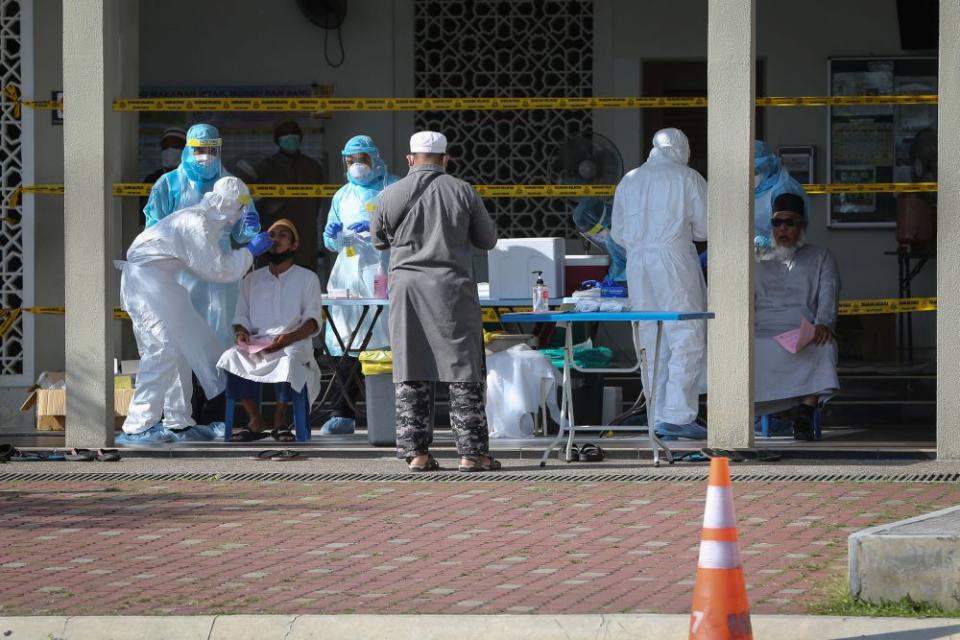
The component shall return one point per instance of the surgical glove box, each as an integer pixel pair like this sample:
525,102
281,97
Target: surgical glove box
51,404
512,263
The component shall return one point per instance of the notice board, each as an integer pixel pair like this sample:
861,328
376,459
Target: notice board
872,143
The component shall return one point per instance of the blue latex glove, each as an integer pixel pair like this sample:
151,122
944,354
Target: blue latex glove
360,227
703,260
762,242
333,229
260,244
251,220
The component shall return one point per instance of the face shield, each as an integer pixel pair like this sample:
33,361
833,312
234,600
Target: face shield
202,158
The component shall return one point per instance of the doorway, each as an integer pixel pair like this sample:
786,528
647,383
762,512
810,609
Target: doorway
685,79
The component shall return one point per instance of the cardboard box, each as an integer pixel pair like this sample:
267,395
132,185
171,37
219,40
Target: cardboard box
51,405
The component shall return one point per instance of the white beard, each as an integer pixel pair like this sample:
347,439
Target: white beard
786,254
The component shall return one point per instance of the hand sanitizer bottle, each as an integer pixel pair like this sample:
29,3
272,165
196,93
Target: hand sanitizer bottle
540,295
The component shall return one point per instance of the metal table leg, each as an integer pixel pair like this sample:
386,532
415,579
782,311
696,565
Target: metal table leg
566,403
650,390
345,353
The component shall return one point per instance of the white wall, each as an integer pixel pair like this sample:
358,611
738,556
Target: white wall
273,43
795,40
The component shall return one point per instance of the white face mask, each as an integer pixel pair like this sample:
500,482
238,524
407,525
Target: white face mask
205,159
757,179
359,171
170,158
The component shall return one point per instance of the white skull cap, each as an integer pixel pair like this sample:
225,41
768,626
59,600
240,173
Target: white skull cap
232,191
428,142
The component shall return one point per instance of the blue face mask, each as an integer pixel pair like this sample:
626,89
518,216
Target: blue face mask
289,143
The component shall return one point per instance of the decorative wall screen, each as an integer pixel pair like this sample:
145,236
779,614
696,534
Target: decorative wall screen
521,48
12,252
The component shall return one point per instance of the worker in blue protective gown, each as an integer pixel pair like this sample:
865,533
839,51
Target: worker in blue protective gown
770,180
347,233
200,167
592,219
172,338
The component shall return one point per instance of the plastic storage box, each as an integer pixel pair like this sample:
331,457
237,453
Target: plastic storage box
512,263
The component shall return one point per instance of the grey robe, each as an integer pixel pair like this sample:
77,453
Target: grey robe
435,329
808,287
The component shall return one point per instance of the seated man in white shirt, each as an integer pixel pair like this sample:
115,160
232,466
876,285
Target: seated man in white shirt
277,315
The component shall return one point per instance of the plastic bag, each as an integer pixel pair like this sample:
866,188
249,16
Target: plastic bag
374,363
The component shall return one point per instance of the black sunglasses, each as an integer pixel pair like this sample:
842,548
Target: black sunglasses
779,222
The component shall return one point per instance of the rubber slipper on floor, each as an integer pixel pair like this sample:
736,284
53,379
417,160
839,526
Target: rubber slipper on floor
80,455
280,455
765,455
590,452
693,456
734,456
107,455
24,456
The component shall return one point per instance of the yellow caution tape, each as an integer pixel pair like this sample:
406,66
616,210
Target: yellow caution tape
50,189
485,104
9,317
891,305
870,187
12,93
136,189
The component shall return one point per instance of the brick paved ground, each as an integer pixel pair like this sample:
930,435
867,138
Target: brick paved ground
215,547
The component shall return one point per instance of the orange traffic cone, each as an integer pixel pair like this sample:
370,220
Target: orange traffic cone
720,607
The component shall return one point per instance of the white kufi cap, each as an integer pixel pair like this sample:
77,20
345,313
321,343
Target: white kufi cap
428,142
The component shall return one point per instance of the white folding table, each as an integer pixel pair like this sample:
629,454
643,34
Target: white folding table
648,378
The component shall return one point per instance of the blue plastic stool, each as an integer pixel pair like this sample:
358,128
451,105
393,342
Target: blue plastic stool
237,389
817,433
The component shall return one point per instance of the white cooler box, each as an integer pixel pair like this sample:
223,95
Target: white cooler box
512,263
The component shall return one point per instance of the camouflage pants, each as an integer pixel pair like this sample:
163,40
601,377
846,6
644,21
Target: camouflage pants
468,418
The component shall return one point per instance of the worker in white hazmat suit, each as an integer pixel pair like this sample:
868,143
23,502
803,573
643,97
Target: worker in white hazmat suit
659,210
172,338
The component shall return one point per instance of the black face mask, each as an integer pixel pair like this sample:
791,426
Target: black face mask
277,258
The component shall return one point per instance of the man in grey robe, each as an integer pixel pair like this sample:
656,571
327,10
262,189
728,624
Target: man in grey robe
795,282
432,222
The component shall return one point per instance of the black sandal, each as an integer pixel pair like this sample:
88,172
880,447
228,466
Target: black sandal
430,465
283,434
249,435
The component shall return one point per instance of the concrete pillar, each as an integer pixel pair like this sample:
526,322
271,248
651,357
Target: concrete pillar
948,231
92,77
731,55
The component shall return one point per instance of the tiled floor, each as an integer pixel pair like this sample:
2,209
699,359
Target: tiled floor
338,547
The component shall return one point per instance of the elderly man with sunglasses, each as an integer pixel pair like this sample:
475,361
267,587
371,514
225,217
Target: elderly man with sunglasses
795,282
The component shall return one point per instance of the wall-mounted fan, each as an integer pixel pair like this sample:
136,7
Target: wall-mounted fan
593,159
328,15
588,159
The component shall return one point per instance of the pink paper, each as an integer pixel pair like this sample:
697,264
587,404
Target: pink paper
795,340
256,345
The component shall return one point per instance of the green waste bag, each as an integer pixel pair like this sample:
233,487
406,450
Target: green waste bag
584,357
